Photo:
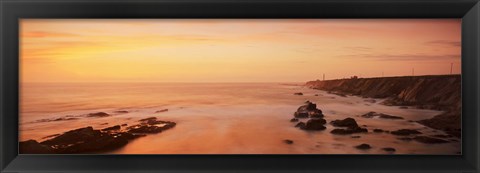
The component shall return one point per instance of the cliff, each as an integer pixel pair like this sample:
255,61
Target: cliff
439,92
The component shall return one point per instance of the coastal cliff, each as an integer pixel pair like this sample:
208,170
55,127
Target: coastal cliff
439,92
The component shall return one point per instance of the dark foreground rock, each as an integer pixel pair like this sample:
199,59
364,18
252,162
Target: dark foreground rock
294,120
315,124
298,94
429,140
288,141
363,147
162,110
405,132
89,140
449,122
380,115
348,131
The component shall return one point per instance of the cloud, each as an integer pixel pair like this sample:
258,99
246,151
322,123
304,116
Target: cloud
445,43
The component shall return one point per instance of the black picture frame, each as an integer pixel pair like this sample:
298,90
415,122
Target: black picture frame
12,10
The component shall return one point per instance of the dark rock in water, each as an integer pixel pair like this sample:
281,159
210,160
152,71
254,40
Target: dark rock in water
316,94
449,122
429,140
355,137
348,131
315,124
403,107
117,127
104,124
294,120
347,122
98,114
405,139
363,147
388,149
151,128
378,130
287,141
84,140
300,125
160,111
299,94
153,121
121,112
405,132
308,110
380,115
33,147
124,124
442,136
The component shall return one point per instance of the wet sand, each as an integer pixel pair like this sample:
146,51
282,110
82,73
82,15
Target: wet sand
246,119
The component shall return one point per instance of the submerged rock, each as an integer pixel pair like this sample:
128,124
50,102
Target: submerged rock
160,111
429,140
363,147
380,115
378,130
98,114
405,132
288,141
348,131
298,94
389,149
121,112
294,120
300,125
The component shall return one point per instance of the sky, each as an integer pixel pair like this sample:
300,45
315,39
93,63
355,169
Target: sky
235,50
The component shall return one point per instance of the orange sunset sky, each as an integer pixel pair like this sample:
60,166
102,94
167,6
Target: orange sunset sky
194,50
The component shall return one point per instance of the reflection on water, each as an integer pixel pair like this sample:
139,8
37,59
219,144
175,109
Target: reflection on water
220,118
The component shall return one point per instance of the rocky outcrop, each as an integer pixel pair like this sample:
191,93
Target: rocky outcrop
90,140
439,92
309,110
350,124
405,132
380,115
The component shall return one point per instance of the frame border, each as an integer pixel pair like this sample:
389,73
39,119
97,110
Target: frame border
12,10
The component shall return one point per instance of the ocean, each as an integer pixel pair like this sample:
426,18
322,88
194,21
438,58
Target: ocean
220,118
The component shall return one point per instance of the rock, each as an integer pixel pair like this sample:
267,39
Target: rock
403,107
33,147
50,136
405,132
121,112
388,149
405,139
380,115
104,124
348,131
363,147
160,111
298,94
378,130
442,136
117,127
316,94
429,140
287,141
347,122
84,140
315,124
124,124
98,114
355,137
151,128
308,110
301,125
294,120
